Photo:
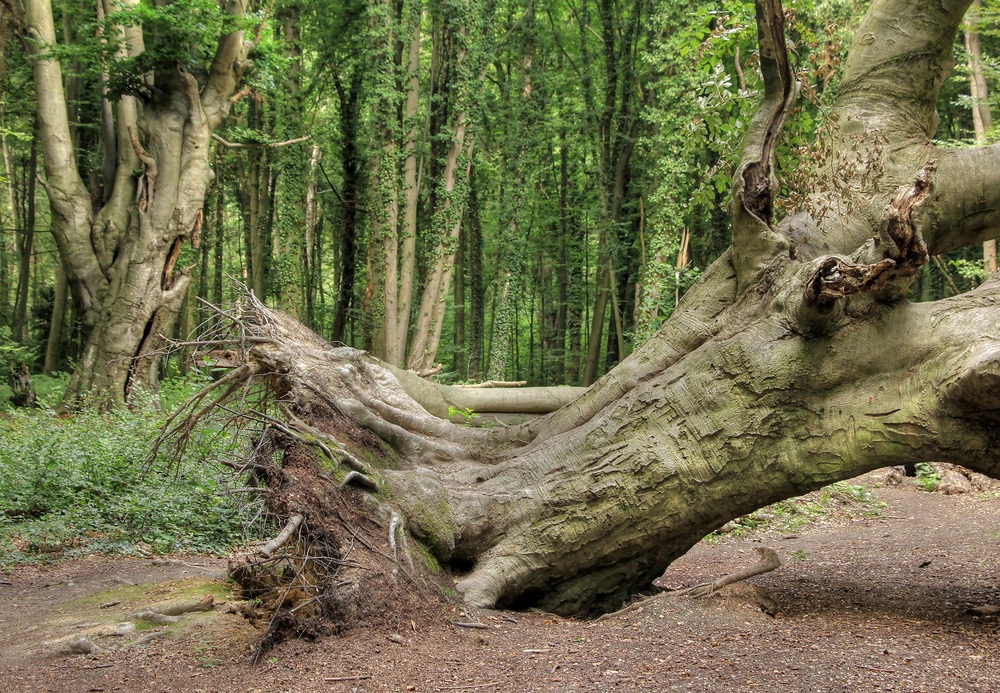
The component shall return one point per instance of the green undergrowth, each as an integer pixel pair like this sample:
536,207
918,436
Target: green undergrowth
927,477
48,390
836,502
84,483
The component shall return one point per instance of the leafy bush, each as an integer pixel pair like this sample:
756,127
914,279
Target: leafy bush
83,483
927,476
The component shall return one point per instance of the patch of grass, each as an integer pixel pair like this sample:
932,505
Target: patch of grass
151,594
838,500
84,484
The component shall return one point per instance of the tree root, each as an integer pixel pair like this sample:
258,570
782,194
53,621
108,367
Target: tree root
361,480
270,547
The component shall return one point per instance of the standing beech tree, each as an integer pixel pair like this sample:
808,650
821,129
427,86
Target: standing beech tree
796,361
120,236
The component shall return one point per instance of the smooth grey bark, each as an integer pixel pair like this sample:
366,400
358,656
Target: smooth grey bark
120,262
796,361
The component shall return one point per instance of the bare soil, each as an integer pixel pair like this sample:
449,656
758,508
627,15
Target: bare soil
875,604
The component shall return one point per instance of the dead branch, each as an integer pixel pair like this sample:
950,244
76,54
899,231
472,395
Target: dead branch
495,383
428,372
768,561
217,342
181,431
263,145
239,95
488,684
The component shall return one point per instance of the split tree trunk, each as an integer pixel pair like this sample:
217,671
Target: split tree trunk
121,262
795,361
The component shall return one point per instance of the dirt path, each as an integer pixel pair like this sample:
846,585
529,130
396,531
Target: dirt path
872,605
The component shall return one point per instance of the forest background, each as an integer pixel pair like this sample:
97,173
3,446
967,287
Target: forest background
518,191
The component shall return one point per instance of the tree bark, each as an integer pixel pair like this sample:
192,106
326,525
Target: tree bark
25,233
349,116
982,118
121,262
794,362
53,346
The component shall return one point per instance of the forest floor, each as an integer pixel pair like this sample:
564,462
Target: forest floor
873,604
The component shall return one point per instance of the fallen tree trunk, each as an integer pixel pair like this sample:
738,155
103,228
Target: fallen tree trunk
795,362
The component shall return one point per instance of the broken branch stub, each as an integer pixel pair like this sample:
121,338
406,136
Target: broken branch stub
886,279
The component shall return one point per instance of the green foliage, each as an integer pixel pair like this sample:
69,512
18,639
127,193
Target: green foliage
178,35
12,354
467,415
969,270
83,483
927,477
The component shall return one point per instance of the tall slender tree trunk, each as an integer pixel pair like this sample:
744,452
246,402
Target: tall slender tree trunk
53,346
26,246
396,351
254,179
477,285
351,162
291,177
562,268
219,224
309,238
617,127
449,203
982,117
460,354
15,225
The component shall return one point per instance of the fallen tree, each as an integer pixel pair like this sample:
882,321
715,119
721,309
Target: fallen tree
795,362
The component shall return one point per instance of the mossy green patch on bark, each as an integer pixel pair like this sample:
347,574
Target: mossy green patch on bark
423,500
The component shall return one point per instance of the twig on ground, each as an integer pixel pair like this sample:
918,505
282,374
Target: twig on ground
864,666
361,677
244,489
469,624
768,561
472,685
